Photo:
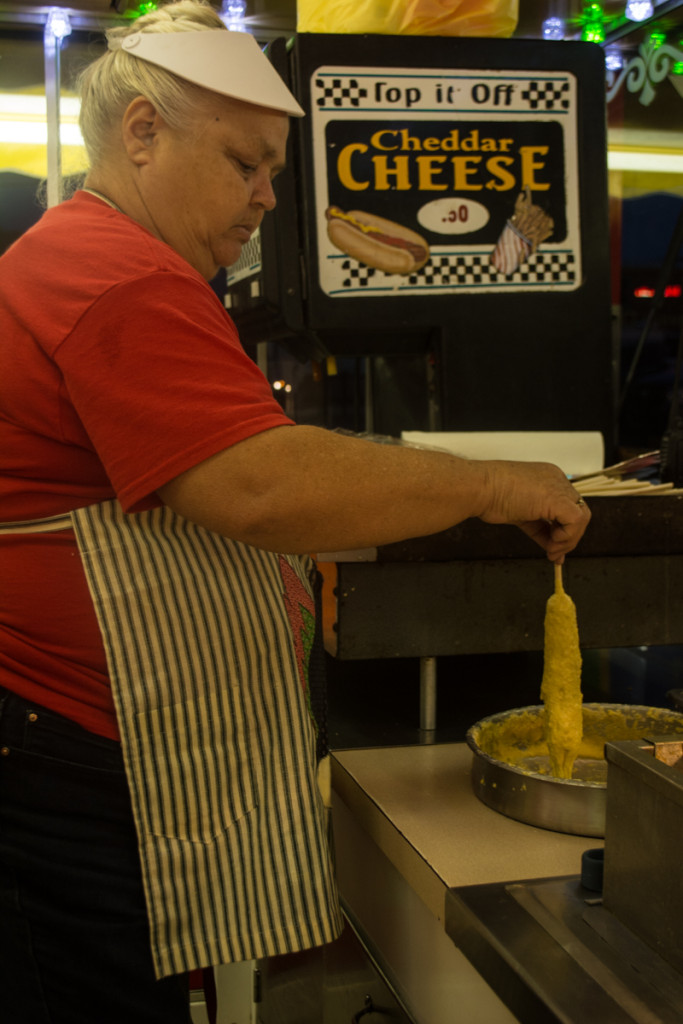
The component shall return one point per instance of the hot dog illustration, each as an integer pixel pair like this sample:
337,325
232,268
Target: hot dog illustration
376,242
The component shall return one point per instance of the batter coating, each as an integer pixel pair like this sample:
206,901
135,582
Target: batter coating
561,684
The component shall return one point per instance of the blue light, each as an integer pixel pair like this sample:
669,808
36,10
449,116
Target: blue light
639,10
232,15
553,28
613,59
58,24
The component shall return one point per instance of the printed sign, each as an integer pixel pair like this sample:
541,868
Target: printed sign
437,181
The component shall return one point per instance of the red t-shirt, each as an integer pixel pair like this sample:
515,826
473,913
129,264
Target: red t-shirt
120,370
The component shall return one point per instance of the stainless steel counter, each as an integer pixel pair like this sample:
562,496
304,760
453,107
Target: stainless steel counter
408,829
417,804
554,954
487,919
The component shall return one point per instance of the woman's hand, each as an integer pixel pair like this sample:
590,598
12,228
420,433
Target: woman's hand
537,497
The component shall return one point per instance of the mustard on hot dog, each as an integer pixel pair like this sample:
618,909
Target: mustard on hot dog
376,242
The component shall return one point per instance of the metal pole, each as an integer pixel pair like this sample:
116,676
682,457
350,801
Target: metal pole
52,88
369,403
262,357
427,694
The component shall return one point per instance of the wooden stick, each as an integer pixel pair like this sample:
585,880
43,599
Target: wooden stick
559,589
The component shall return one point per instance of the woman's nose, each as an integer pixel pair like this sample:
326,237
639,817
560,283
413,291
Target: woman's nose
264,194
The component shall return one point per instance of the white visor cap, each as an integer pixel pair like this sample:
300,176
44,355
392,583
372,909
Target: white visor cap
229,63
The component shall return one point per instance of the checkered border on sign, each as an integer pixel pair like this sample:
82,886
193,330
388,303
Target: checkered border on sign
339,92
471,271
547,95
249,262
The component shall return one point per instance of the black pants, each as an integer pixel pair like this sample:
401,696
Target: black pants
74,939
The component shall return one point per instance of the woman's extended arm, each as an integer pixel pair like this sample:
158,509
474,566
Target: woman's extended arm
304,489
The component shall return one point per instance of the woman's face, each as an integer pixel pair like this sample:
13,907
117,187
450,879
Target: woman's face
206,190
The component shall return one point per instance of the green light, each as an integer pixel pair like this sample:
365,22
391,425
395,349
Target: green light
593,34
657,39
143,8
593,22
677,68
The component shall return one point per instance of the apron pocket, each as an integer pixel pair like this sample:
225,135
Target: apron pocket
204,782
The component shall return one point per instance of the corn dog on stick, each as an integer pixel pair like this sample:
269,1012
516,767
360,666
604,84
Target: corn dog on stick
561,685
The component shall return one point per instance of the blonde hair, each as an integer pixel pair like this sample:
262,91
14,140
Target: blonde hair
111,82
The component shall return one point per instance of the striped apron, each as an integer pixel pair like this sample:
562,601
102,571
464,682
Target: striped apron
208,643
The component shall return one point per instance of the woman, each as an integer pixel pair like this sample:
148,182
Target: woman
158,801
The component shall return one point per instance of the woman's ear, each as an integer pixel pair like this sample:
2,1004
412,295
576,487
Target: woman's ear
139,129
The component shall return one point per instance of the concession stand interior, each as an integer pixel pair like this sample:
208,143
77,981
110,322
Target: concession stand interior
525,161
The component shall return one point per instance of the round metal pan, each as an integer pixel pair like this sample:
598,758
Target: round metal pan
511,767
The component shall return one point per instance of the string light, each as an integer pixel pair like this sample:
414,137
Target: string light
593,21
554,28
232,15
614,60
677,67
58,25
639,10
137,12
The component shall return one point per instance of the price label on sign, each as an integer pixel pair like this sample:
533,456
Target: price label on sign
458,216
